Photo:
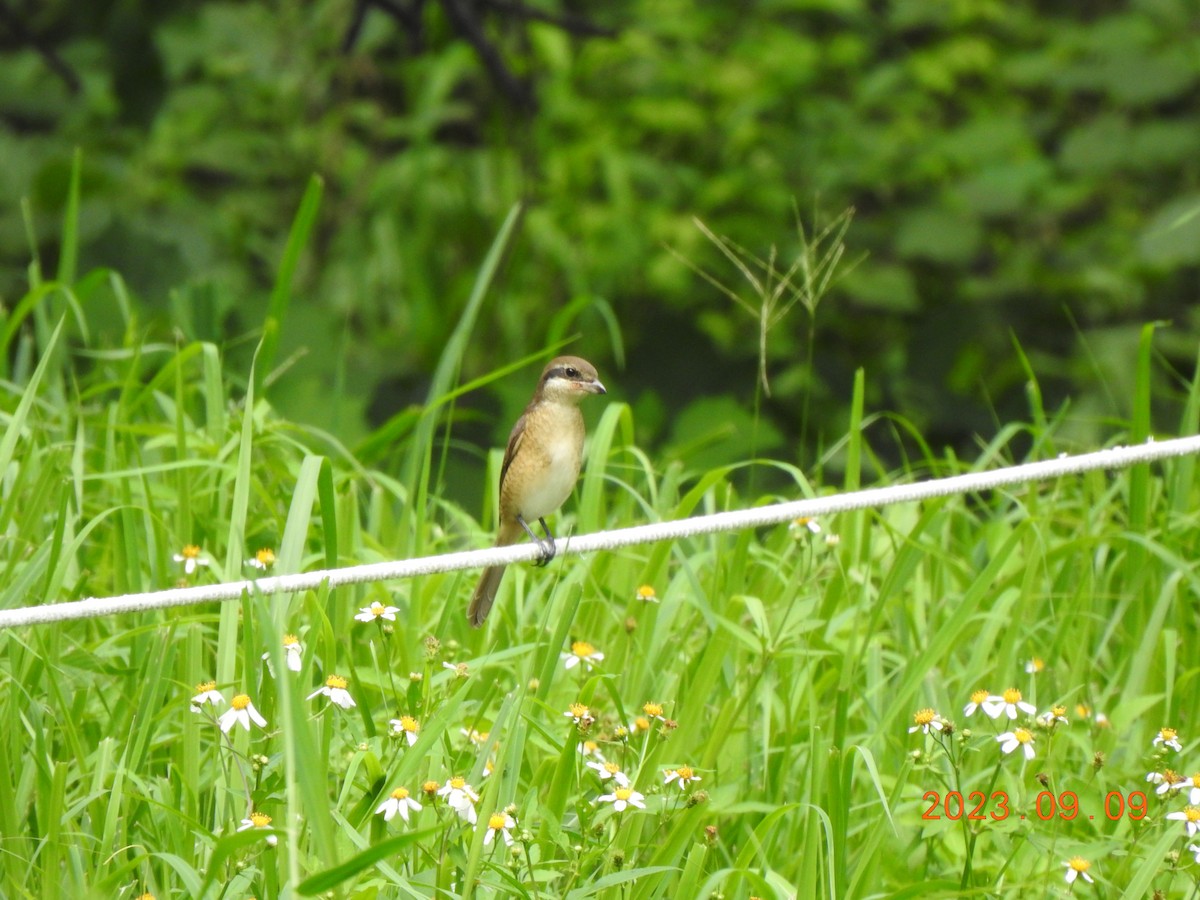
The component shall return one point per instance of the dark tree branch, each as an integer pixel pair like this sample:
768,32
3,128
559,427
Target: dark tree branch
573,24
466,18
354,29
49,55
471,30
408,15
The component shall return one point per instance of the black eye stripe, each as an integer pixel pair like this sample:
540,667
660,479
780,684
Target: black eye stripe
568,372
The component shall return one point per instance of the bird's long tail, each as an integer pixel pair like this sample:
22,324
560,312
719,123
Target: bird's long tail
485,595
489,582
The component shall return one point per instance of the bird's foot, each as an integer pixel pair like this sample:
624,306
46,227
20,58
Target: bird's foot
546,548
547,552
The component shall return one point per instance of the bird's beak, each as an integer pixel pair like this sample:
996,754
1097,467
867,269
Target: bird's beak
595,387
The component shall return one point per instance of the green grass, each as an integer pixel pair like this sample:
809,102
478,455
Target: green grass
788,665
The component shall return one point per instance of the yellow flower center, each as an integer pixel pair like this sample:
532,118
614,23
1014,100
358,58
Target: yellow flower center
1193,813
266,556
290,640
623,793
578,710
1082,711
979,696
1012,695
924,716
336,681
1058,711
646,592
1079,864
408,723
191,551
1037,664
430,787
259,820
590,747
641,723
1023,735
206,686
377,609
654,710
497,821
685,773
240,701
1170,776
611,768
1196,780
1168,734
582,649
458,783
400,794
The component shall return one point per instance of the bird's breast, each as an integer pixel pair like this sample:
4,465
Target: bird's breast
547,465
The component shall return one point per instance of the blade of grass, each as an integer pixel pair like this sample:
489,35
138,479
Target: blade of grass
69,252
16,426
416,469
281,291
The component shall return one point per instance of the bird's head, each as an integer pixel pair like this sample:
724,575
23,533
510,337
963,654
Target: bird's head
569,378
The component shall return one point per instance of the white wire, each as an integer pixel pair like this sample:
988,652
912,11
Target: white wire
1112,458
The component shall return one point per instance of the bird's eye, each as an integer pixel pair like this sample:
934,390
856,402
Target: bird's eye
572,372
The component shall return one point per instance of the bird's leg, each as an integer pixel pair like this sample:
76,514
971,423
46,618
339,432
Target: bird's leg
549,545
546,544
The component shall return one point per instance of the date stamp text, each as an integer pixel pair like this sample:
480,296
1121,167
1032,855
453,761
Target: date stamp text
978,806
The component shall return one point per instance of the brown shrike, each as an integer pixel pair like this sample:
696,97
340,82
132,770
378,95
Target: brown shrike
541,465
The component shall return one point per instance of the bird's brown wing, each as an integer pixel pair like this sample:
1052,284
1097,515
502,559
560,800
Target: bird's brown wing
514,444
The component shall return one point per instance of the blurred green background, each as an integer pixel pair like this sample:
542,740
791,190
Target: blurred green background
1024,178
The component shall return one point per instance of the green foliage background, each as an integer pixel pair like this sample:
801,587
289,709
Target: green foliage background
271,356
1027,169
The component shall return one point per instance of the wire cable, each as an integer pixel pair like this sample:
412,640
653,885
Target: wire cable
773,514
